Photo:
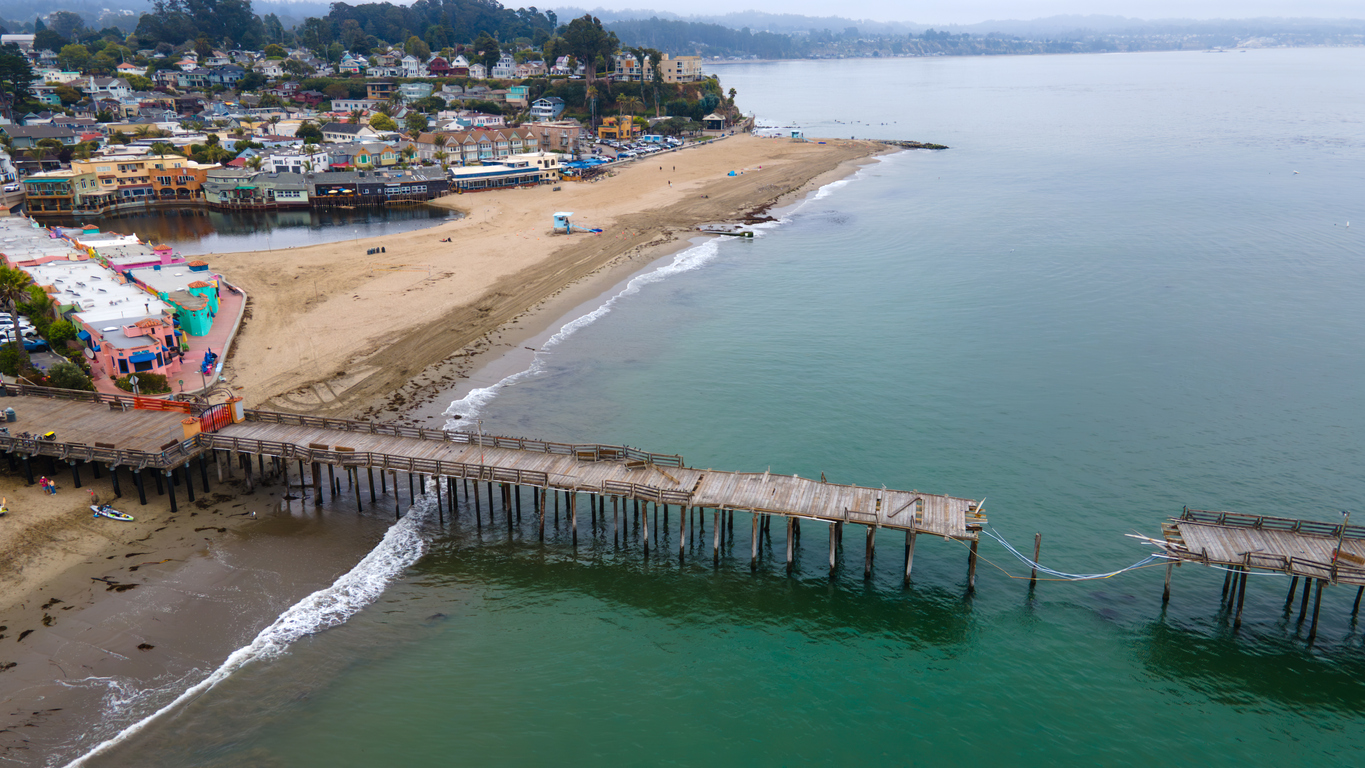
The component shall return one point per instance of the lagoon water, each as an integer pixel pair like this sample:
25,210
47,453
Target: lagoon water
1129,286
202,232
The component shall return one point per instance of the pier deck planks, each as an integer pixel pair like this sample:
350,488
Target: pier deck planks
1268,548
945,516
80,423
90,423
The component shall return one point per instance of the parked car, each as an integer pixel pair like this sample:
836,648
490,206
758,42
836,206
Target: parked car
13,187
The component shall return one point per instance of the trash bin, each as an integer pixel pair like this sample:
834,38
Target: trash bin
10,415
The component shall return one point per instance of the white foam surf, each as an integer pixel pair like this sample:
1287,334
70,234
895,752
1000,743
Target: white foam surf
468,407
401,546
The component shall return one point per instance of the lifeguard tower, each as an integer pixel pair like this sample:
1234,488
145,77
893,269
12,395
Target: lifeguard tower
563,224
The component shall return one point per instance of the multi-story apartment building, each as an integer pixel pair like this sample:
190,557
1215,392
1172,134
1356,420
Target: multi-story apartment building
58,191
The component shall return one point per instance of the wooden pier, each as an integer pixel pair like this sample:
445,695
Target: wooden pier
1321,553
166,438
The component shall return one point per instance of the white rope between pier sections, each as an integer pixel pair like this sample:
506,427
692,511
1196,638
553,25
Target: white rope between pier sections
1151,559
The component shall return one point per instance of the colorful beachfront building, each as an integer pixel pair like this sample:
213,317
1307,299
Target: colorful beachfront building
619,128
190,290
60,191
146,345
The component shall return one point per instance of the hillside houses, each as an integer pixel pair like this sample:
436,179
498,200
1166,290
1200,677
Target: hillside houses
122,142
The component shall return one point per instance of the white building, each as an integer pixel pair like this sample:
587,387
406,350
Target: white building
296,161
413,67
506,68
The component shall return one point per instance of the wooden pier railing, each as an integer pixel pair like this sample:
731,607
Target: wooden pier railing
582,452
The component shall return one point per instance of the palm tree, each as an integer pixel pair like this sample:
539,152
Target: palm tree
40,306
161,149
143,130
441,156
408,152
254,162
216,153
273,120
14,285
656,75
592,100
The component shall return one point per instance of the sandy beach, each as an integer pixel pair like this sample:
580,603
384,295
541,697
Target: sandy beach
332,330
93,610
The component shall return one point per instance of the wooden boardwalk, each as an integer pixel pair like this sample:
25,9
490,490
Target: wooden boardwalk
1238,543
459,455
1286,545
120,431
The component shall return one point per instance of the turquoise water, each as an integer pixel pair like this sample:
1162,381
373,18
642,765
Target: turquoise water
1113,297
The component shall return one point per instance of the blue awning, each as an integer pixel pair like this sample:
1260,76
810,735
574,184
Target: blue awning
83,335
142,357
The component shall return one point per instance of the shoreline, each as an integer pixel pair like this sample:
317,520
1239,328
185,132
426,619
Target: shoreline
325,337
503,351
182,565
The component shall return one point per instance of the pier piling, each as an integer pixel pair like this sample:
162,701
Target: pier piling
909,553
870,552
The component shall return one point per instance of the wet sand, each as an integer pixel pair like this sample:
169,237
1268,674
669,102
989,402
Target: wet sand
94,599
96,611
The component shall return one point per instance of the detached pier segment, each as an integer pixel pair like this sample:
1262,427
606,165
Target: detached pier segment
1319,552
121,431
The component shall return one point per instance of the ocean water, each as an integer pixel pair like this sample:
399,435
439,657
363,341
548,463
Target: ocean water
1128,287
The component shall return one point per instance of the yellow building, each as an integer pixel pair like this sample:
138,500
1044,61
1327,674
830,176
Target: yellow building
619,128
129,178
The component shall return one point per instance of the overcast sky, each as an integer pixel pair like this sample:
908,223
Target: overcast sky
971,11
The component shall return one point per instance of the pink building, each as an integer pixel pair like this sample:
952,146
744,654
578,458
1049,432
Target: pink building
149,345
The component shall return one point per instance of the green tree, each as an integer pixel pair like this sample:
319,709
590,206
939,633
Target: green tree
16,76
298,68
487,49
40,308
60,332
69,376
66,24
274,51
382,122
656,75
415,46
415,121
74,57
588,41
309,132
14,290
47,40
161,149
